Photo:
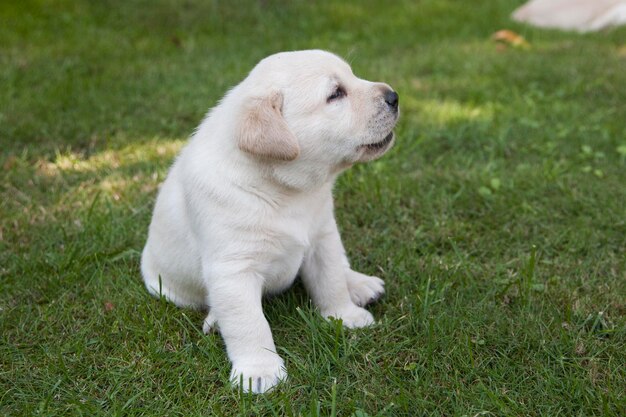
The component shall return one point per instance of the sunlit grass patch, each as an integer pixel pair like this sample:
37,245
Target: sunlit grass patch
440,113
45,191
152,151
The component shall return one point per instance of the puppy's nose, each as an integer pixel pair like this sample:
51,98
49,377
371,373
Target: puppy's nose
391,98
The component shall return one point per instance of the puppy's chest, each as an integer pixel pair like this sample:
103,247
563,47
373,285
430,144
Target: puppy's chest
285,254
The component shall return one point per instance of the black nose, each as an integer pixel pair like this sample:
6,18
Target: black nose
391,98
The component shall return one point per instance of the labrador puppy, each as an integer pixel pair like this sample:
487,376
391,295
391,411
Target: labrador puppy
248,204
579,15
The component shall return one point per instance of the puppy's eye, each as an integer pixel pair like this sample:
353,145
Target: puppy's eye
337,94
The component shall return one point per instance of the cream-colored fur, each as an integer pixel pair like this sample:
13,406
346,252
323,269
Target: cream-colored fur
579,15
248,204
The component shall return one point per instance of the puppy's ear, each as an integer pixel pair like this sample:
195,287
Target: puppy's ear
264,132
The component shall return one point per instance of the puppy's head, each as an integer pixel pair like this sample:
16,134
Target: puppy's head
308,106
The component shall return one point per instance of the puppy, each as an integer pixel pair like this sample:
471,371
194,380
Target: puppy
579,15
248,205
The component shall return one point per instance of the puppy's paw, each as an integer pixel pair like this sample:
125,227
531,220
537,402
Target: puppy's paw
364,289
258,373
353,317
210,324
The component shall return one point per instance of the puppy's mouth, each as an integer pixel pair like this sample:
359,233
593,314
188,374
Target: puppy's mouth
376,149
380,145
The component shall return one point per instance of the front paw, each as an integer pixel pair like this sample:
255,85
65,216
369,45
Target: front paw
353,317
210,323
364,289
258,373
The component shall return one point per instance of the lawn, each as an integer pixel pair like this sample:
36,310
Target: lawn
498,221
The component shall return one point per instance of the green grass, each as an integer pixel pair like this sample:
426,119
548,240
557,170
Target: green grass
498,221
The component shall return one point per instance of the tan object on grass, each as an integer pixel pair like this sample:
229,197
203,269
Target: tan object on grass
508,37
579,15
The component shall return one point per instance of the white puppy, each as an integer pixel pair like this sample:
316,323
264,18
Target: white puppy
248,203
580,15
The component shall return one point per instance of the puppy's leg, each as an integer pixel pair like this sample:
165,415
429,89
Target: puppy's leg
327,277
235,303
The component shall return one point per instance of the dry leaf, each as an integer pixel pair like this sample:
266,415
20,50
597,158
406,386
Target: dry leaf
510,38
9,163
176,41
